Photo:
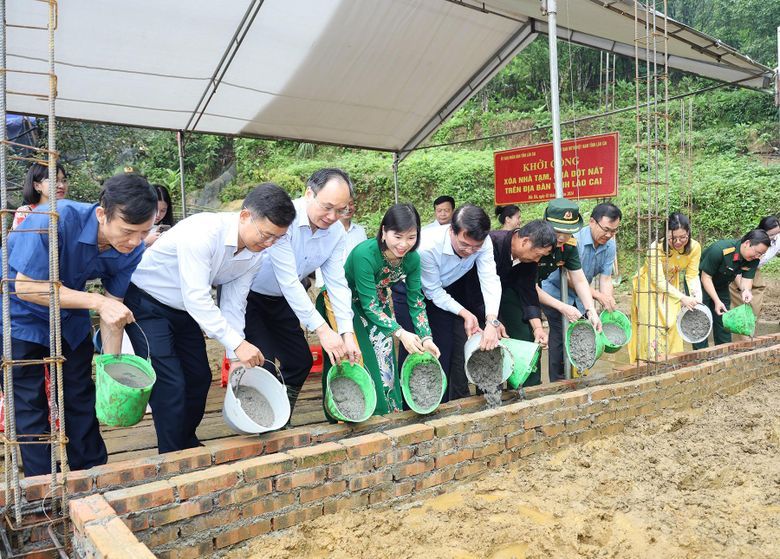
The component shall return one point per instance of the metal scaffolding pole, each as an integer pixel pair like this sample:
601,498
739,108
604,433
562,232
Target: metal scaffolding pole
395,175
180,143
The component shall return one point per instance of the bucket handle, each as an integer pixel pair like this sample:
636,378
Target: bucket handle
148,347
238,374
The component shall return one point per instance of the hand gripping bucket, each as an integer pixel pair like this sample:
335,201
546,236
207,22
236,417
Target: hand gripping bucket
472,345
266,384
686,335
599,340
406,374
740,320
525,356
620,320
116,404
364,381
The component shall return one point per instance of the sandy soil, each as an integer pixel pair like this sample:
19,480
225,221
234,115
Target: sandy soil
699,483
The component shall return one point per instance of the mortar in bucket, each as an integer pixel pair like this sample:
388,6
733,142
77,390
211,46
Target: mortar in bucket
123,384
525,356
696,326
410,364
472,346
255,401
740,320
342,398
622,326
588,344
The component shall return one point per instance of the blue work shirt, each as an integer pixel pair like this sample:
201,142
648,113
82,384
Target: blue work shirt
80,261
595,260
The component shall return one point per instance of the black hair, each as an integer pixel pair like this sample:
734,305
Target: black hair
472,220
757,237
164,196
611,211
270,201
505,212
37,173
768,223
319,179
540,232
400,217
129,195
442,199
677,221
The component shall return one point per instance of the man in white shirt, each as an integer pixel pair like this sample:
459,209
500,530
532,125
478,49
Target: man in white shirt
278,303
356,234
455,290
443,207
170,297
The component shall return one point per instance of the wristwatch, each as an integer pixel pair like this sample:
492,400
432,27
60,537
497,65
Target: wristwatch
398,333
494,323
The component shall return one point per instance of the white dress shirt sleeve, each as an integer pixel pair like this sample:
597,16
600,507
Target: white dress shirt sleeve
232,302
282,258
194,261
489,282
430,276
338,290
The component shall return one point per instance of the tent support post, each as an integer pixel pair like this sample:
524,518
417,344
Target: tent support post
180,142
550,6
395,175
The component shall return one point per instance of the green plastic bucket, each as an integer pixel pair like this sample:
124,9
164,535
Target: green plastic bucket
619,319
525,356
740,320
582,323
364,381
116,404
406,374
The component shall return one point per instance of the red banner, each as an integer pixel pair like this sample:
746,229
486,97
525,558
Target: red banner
590,170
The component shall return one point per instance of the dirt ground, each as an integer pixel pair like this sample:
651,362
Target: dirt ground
699,483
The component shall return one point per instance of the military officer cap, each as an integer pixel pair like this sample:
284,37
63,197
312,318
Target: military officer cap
563,215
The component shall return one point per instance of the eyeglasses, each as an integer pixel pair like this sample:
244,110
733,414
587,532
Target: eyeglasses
341,212
608,230
680,239
265,238
466,247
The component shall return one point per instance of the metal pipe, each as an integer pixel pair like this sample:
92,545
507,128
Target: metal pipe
180,142
395,175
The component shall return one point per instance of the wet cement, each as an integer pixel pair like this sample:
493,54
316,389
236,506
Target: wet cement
614,334
695,324
485,368
128,375
255,405
348,398
582,346
425,385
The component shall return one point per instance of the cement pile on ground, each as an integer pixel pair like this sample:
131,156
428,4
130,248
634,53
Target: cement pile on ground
255,405
695,324
485,368
348,398
128,375
425,385
614,333
582,346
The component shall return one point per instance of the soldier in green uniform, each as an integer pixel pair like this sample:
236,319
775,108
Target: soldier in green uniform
720,263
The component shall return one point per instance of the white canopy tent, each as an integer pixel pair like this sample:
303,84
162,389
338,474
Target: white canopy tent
377,74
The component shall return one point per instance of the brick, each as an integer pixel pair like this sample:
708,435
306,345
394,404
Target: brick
296,517
390,491
136,522
366,445
322,491
89,509
489,449
534,421
200,549
268,504
235,448
160,536
325,433
124,473
325,453
359,483
412,468
284,440
205,522
562,415
449,426
345,503
470,469
140,497
453,458
213,479
553,430
186,509
246,493
578,424
576,398
514,441
410,434
391,457
439,446
601,394
267,466
303,478
501,460
351,467
436,478
242,533
534,448
183,461
478,438
545,404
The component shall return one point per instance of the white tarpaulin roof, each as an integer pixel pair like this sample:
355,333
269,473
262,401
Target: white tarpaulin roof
379,74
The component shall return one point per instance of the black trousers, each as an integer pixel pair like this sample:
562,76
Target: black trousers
85,445
178,351
555,347
272,326
719,333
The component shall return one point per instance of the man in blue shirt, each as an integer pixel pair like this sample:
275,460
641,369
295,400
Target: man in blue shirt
597,249
105,241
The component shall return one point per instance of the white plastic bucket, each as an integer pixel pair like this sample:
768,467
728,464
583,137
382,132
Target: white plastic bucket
472,345
703,308
265,383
